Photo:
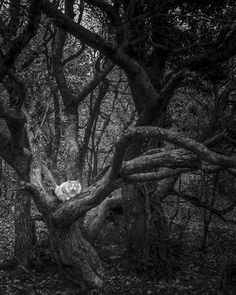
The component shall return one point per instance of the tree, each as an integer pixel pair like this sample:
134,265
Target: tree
154,71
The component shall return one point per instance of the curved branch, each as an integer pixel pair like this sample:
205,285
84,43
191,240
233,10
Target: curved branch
148,163
46,203
18,160
191,145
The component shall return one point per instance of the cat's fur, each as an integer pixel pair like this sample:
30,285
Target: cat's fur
68,190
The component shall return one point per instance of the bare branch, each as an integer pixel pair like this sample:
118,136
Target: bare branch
148,163
35,53
156,176
73,56
99,77
197,202
214,138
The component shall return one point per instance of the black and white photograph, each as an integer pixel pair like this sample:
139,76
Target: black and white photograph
117,147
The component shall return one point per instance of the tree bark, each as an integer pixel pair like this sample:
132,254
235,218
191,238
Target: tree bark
23,227
73,251
96,217
57,122
71,139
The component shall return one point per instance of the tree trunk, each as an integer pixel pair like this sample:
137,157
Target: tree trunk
68,243
76,254
71,139
147,230
23,228
135,217
57,123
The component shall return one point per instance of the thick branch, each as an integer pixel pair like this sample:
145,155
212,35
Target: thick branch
148,163
45,203
22,40
58,45
18,160
156,176
189,144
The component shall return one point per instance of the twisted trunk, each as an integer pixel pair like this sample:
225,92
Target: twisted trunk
76,254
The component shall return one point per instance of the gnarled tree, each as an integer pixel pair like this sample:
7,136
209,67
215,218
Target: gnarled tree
154,74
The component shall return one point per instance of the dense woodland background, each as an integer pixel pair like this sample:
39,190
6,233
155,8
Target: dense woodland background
137,100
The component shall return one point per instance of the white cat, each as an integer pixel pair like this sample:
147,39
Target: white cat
68,190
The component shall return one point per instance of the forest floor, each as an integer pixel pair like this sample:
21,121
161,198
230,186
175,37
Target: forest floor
198,272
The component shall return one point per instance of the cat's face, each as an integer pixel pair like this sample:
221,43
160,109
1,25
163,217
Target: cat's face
73,186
